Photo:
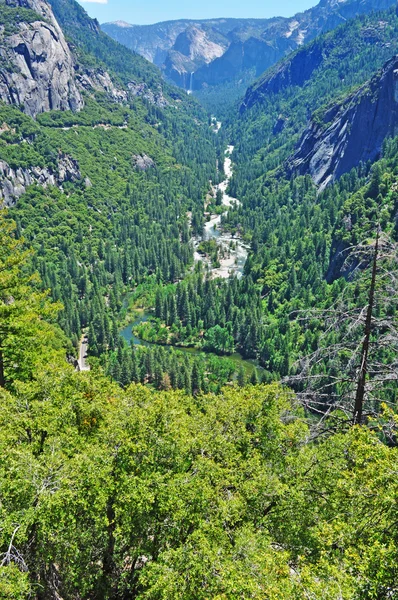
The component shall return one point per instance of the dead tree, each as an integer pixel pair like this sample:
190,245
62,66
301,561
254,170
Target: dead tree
356,362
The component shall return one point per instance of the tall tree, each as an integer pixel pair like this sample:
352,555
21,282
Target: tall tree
26,337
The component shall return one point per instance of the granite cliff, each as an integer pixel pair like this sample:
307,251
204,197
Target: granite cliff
54,58
37,67
349,132
198,45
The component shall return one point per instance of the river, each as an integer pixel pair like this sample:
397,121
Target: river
232,251
128,334
232,261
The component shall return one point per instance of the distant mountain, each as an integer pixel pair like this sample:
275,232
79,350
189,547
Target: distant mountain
223,50
155,41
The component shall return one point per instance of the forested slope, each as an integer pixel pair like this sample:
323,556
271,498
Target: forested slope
295,231
139,494
103,192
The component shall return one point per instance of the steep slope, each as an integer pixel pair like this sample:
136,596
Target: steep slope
37,67
94,48
253,45
277,109
258,51
350,132
103,192
196,46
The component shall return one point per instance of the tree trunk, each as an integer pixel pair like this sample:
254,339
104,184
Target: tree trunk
361,388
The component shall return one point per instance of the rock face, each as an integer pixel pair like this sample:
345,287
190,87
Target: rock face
350,132
142,162
37,68
193,48
291,72
248,45
14,182
154,42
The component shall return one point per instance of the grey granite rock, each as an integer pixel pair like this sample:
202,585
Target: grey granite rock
350,132
14,182
142,162
36,65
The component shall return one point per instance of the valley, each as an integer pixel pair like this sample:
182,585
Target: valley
198,305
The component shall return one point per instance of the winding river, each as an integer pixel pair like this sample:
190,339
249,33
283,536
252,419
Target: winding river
128,334
232,261
233,252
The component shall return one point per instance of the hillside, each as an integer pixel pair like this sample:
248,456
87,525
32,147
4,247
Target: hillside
350,133
277,108
198,320
110,493
101,191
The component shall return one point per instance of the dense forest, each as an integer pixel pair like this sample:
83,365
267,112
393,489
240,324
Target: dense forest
108,493
229,437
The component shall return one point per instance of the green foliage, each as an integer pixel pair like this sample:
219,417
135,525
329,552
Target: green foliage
229,311
24,313
11,17
213,497
14,584
165,368
108,493
106,232
220,339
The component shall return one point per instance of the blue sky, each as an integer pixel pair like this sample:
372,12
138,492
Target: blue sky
152,11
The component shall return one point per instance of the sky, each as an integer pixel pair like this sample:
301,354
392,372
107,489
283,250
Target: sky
152,11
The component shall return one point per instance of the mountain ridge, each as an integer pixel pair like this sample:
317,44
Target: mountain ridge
254,44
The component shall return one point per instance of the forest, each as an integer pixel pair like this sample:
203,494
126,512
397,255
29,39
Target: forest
135,493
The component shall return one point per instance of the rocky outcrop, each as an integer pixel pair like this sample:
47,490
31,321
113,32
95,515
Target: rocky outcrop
141,90
14,182
142,162
350,132
99,80
36,65
39,72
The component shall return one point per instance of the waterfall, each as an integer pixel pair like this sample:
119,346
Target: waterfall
190,84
